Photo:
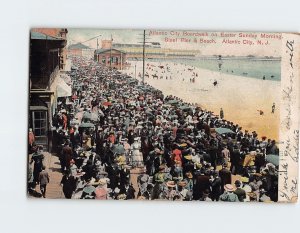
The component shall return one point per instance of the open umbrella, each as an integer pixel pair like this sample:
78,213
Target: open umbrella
86,116
185,107
172,102
86,125
274,159
131,81
149,113
118,149
223,130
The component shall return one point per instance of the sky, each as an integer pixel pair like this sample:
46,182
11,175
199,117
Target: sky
213,45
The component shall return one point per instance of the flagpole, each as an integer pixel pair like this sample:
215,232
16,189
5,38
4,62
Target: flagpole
110,49
144,40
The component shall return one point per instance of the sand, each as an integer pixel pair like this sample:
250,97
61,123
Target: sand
240,97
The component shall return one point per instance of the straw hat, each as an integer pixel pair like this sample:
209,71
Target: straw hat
121,197
141,198
102,181
198,165
245,179
183,145
252,195
188,157
228,188
257,174
171,184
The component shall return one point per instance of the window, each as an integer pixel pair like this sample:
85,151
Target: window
39,123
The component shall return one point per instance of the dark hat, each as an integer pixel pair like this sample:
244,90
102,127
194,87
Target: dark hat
237,183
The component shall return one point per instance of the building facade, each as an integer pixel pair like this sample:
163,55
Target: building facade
112,58
80,50
47,60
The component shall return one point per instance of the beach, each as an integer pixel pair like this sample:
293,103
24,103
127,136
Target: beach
241,98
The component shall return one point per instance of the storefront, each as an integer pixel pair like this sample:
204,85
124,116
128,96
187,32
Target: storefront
39,115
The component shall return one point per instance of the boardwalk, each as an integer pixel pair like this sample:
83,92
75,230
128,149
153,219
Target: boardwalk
54,189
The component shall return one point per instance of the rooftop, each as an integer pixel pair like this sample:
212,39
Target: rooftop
41,36
78,46
97,51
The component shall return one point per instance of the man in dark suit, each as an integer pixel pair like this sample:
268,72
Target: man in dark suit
69,184
225,176
201,184
43,180
66,156
236,161
128,190
239,191
216,185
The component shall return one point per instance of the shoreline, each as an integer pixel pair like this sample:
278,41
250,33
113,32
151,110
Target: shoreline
240,102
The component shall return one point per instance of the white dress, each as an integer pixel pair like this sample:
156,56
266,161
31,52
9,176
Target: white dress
137,156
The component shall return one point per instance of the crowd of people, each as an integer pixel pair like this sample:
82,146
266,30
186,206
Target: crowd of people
119,139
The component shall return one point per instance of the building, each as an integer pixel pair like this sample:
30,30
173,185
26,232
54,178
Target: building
57,33
80,49
153,50
47,60
113,58
109,56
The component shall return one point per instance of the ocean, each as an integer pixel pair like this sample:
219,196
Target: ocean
253,68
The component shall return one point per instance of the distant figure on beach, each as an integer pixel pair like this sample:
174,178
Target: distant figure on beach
215,83
273,108
272,76
261,112
264,77
221,113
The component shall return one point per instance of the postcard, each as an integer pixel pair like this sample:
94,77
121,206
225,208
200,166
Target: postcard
175,115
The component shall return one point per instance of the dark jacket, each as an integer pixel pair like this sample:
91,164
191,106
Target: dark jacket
202,184
225,176
241,194
69,185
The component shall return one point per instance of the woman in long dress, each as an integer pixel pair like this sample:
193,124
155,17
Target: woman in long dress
137,156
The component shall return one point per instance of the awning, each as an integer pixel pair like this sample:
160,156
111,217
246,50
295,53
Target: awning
66,78
224,131
38,108
63,89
